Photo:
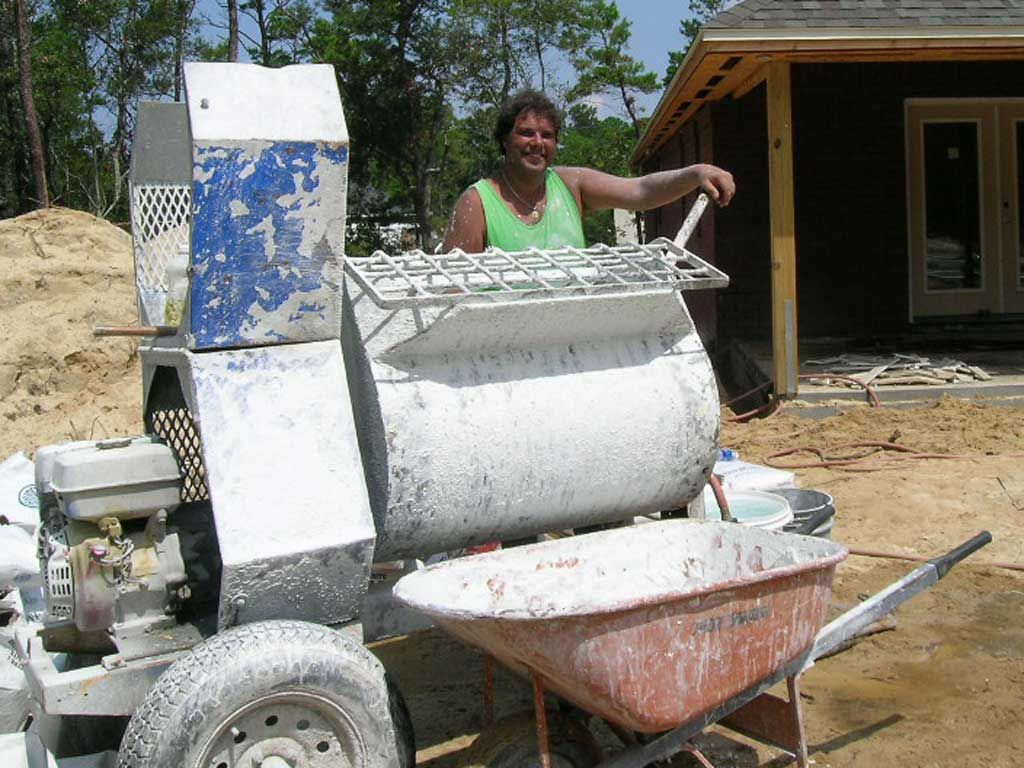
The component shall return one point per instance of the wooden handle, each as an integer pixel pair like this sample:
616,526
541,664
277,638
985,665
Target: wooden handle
134,330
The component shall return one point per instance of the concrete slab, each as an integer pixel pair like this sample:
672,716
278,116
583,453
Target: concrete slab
750,363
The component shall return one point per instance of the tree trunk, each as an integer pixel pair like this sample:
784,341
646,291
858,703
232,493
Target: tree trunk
540,65
263,27
11,163
422,209
179,47
232,30
506,57
121,113
630,104
35,140
426,171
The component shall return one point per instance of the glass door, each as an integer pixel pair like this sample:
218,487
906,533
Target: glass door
952,187
1011,203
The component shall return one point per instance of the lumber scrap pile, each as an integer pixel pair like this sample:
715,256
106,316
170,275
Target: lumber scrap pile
894,369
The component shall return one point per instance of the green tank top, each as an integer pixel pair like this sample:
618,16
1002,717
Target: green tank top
560,226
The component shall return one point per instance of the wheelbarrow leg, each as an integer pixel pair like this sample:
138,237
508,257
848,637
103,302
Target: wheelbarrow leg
488,690
797,712
543,750
773,721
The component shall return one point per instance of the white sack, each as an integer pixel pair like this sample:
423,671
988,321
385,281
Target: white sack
18,492
743,476
18,564
14,707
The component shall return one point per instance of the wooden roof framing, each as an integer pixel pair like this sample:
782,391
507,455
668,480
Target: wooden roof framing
727,63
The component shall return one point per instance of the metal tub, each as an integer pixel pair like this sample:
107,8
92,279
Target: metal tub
648,627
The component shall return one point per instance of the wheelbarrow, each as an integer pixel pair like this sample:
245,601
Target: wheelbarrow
663,628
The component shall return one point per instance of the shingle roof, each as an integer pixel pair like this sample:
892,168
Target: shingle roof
777,14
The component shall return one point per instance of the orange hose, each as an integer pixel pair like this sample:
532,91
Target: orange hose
872,396
749,392
922,559
857,463
774,406
723,505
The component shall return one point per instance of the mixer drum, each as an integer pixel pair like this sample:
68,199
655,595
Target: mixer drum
531,405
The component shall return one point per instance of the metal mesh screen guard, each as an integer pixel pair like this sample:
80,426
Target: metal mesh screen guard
417,278
160,215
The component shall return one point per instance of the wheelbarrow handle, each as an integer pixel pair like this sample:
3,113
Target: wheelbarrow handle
944,562
885,602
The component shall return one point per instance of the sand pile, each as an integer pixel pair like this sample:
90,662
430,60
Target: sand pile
61,273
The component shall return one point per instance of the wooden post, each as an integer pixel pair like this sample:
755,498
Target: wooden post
785,362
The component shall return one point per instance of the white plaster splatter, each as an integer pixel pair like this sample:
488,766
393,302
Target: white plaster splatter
646,563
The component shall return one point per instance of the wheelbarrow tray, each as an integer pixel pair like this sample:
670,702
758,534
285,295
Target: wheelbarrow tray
648,627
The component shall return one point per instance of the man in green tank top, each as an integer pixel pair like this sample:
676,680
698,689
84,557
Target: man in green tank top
530,204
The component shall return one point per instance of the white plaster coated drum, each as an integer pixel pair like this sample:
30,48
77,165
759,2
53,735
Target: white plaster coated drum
507,416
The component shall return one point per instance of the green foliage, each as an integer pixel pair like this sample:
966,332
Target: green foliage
91,63
675,58
598,52
420,81
701,11
14,177
510,44
66,95
282,29
398,63
603,144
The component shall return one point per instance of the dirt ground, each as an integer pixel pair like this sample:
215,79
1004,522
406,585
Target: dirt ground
945,687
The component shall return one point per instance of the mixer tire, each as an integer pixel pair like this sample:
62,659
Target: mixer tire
300,692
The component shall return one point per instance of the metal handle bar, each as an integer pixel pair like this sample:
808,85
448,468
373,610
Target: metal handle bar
690,222
885,602
944,562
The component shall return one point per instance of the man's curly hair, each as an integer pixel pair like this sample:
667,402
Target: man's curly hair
525,100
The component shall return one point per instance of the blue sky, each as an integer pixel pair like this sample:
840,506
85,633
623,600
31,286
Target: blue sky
655,32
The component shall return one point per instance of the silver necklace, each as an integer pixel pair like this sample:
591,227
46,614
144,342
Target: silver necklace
534,214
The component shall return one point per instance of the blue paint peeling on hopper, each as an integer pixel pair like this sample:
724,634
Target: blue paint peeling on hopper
269,176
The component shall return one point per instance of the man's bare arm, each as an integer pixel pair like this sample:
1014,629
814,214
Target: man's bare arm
468,227
599,191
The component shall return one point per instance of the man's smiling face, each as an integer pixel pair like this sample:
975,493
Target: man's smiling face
530,145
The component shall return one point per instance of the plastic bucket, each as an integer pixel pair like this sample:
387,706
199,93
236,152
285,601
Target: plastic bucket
757,509
805,502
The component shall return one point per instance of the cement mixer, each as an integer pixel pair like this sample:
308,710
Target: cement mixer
309,415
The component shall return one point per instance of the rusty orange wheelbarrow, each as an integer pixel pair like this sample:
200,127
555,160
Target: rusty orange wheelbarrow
664,628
